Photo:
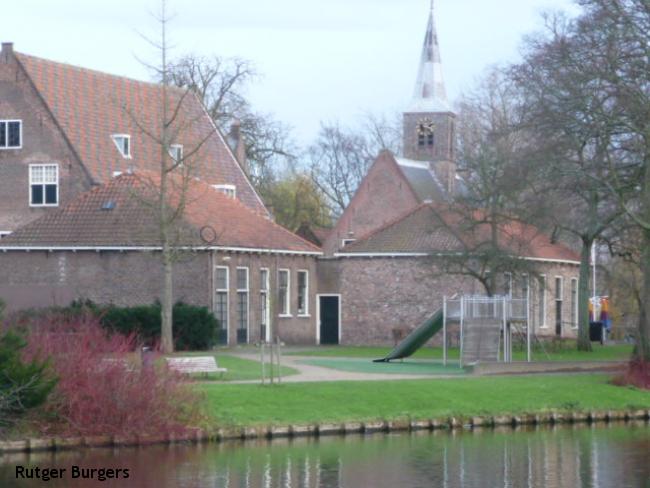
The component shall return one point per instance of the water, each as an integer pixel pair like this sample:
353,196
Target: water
580,456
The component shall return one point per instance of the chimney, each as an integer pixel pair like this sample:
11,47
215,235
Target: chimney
239,145
7,51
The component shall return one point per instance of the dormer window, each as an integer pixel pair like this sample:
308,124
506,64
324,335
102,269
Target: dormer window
228,190
11,134
123,143
176,153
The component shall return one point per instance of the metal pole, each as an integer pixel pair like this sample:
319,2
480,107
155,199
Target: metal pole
444,331
462,320
528,331
262,360
279,352
505,332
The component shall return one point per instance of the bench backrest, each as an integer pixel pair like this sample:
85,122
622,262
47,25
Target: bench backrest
196,364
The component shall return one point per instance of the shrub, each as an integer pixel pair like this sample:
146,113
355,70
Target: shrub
102,388
637,374
23,384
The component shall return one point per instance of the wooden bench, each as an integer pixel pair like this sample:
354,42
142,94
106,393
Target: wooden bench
195,364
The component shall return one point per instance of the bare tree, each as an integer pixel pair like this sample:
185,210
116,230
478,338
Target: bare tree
220,84
340,157
578,125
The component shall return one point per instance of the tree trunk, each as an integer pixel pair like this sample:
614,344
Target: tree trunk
167,334
584,343
642,349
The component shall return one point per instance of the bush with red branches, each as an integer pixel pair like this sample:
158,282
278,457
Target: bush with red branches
637,374
102,388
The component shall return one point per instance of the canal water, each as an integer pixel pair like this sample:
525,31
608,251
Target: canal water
614,455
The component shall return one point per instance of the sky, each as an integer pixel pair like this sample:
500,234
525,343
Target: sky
320,60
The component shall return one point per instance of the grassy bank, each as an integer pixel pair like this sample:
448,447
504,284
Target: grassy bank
304,403
567,353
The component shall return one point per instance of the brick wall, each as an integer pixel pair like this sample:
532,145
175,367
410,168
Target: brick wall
42,143
382,196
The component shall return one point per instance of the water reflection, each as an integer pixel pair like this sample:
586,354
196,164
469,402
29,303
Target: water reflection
579,456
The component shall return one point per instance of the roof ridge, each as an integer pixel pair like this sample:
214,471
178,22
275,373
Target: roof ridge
93,71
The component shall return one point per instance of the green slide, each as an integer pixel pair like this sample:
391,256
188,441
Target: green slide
416,339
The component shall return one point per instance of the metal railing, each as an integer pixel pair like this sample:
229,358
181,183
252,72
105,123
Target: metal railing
482,307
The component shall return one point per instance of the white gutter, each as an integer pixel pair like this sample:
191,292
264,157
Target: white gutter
423,254
155,248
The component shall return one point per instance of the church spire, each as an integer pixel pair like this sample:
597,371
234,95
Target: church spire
430,94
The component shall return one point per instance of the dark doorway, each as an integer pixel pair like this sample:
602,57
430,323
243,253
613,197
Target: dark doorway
329,319
558,318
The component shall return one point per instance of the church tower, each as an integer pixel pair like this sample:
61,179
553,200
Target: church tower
429,122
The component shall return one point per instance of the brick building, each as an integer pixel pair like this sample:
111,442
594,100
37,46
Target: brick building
74,148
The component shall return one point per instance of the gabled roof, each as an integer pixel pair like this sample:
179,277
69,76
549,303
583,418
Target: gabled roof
431,228
122,213
423,180
91,106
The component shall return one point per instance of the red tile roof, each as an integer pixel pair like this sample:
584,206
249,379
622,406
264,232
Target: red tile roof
122,213
90,106
431,228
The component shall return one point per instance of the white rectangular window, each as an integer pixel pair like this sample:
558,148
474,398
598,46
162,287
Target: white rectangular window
264,304
11,134
221,298
123,144
541,289
559,288
303,292
4,233
176,153
43,185
242,305
574,302
229,190
284,292
345,242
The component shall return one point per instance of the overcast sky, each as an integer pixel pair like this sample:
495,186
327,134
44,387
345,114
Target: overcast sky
321,59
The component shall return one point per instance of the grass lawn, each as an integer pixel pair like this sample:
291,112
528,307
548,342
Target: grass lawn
303,403
238,369
599,353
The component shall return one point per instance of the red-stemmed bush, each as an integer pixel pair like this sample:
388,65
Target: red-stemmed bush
637,374
103,389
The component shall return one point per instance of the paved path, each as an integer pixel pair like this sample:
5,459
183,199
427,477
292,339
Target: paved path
310,373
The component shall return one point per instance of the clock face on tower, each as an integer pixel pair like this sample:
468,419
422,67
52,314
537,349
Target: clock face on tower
425,126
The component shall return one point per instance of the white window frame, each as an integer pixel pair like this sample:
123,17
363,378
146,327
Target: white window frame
4,233
227,291
543,283
305,313
7,121
31,183
229,190
286,306
265,297
561,289
116,139
248,300
345,242
574,305
174,150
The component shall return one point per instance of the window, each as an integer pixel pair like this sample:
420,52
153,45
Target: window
541,289
43,185
345,242
228,190
11,134
524,285
574,302
264,304
284,292
123,143
558,288
176,153
425,134
4,233
242,305
303,293
221,299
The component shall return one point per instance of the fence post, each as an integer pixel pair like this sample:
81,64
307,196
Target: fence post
462,315
444,331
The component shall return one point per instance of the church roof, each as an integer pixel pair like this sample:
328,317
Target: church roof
432,228
425,183
430,94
